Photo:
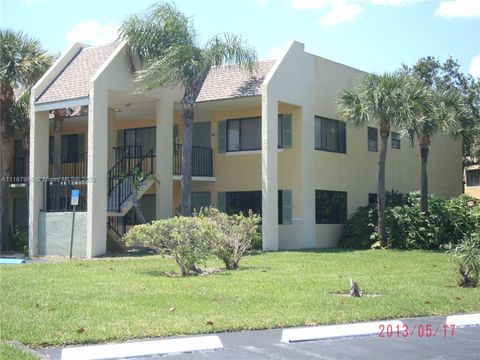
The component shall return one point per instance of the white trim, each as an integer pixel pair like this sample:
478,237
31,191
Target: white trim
196,178
463,320
248,152
143,348
62,104
337,331
108,61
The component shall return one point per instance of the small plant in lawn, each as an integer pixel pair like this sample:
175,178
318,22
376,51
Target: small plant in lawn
355,290
186,239
468,254
234,234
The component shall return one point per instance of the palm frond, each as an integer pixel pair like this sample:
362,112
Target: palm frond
149,35
230,49
181,65
20,111
22,59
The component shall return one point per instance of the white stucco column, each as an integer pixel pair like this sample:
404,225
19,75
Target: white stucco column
164,158
269,172
97,171
112,138
308,176
38,168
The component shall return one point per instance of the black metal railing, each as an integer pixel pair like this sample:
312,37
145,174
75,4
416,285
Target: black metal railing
132,151
116,224
123,175
19,170
57,195
201,160
72,165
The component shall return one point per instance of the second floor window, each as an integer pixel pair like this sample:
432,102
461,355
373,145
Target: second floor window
244,134
72,148
330,135
372,139
395,140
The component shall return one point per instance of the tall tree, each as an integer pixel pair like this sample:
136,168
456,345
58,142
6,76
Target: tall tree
447,78
438,112
164,51
385,100
22,63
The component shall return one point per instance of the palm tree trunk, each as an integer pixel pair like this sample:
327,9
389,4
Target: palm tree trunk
26,153
188,104
382,234
424,145
59,116
6,135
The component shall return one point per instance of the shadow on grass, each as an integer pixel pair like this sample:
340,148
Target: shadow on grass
178,275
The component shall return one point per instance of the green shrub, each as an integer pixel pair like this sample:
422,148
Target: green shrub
234,234
358,231
448,221
468,255
19,239
186,239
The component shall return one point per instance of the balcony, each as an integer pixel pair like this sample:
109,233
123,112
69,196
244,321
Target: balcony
202,164
19,171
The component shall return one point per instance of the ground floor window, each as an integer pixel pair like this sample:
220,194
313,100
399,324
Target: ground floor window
473,177
200,200
244,201
372,198
330,207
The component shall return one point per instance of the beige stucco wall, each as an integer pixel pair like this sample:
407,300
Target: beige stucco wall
356,171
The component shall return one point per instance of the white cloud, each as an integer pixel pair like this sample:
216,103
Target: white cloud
340,13
262,2
277,52
458,8
320,4
475,66
92,33
314,4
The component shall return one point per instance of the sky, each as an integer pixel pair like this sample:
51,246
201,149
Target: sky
371,35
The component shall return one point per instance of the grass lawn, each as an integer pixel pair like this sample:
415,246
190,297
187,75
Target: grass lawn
123,298
10,352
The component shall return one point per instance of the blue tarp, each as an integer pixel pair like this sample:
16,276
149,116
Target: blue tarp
11,261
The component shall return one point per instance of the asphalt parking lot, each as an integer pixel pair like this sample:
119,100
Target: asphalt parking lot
435,341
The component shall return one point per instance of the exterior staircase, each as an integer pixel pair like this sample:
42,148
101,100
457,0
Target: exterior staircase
128,180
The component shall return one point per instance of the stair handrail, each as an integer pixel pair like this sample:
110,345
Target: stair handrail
140,167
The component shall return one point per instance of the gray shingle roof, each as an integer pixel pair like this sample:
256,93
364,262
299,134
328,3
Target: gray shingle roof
232,81
223,82
73,80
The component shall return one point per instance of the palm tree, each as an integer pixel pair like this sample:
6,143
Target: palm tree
22,63
441,111
164,44
385,100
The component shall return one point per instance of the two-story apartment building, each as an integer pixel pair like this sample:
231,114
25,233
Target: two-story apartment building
268,141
